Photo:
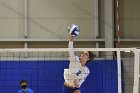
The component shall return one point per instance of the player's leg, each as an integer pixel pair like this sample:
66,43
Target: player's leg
76,90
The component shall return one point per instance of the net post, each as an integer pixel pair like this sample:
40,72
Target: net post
119,71
136,70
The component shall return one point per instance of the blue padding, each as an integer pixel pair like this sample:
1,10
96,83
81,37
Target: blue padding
47,77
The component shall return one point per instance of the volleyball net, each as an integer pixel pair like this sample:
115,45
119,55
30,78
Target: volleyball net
114,70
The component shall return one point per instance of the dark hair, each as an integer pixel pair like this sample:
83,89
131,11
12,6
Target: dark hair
91,56
23,81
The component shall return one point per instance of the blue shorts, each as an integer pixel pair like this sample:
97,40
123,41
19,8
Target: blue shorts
69,90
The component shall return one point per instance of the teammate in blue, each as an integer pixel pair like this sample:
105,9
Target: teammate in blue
78,71
24,87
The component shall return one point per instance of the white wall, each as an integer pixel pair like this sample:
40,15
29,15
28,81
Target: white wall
130,19
48,19
11,21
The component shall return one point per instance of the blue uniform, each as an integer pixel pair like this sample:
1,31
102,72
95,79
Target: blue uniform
27,91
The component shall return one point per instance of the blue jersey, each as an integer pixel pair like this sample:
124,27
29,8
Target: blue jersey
27,91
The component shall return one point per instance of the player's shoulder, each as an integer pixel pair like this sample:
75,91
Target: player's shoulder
19,91
86,69
30,90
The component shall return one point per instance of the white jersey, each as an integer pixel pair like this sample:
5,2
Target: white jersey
76,71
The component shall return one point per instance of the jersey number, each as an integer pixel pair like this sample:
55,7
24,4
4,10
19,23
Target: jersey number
78,73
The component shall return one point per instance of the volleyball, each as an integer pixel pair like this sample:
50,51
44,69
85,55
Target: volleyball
74,30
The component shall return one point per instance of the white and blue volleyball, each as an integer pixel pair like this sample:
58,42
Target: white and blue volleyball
74,30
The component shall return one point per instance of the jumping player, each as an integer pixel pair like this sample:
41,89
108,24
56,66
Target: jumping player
78,71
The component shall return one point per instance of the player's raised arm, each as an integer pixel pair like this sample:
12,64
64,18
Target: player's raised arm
71,52
73,31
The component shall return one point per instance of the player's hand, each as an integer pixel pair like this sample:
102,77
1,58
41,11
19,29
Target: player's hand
76,85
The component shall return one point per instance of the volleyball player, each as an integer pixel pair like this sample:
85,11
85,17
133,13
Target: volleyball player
77,72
